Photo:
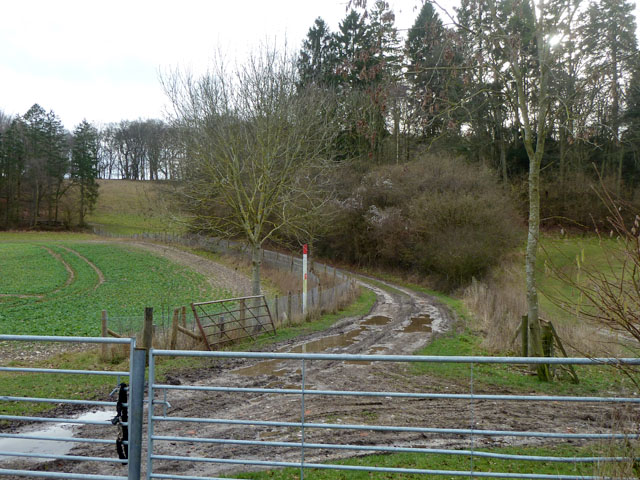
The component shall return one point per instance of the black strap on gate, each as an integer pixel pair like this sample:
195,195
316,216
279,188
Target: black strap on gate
122,416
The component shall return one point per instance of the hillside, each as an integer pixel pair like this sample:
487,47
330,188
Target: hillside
126,207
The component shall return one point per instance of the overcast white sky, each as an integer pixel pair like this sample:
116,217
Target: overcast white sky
100,60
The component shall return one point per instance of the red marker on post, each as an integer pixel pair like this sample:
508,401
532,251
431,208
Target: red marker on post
305,251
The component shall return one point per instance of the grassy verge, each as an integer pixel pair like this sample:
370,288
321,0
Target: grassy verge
443,462
466,341
518,378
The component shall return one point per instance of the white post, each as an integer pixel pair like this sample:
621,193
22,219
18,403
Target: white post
304,279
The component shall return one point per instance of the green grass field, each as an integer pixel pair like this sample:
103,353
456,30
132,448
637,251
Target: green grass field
58,284
571,256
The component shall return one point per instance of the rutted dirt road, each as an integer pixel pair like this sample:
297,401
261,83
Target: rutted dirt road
399,323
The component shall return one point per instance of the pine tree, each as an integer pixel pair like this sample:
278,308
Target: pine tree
12,166
84,167
318,59
425,51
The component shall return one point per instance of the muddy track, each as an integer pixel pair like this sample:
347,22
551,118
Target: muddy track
399,323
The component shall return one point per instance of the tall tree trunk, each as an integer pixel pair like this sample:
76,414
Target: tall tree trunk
535,159
256,262
36,205
615,114
533,236
81,219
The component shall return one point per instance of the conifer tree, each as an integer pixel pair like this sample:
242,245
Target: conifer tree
84,167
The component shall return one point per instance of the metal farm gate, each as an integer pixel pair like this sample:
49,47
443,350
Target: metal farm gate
135,377
192,447
224,435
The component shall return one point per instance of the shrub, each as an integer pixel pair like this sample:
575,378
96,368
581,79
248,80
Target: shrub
439,216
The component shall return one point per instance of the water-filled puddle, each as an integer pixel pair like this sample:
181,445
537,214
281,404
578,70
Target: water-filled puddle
377,320
419,324
378,350
53,447
278,367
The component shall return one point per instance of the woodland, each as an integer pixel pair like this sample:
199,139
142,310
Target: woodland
431,150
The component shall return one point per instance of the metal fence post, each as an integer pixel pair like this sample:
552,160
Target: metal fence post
150,411
136,400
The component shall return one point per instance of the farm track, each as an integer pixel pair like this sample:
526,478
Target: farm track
219,276
390,328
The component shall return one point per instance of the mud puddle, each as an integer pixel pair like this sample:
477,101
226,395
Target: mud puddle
420,324
56,439
279,368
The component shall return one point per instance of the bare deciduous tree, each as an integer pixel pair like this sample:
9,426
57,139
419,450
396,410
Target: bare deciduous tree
258,149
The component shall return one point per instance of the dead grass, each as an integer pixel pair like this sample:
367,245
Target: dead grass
498,302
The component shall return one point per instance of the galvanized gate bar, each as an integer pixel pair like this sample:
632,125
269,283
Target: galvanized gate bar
54,338
64,476
402,358
451,396
55,420
108,373
95,403
58,439
380,448
325,466
383,428
64,457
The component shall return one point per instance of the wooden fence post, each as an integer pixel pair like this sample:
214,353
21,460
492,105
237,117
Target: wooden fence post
104,334
289,308
276,310
319,298
174,329
184,316
147,329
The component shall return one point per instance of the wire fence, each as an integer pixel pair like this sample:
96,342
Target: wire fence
323,296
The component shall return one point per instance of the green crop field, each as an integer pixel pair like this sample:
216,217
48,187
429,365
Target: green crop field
59,284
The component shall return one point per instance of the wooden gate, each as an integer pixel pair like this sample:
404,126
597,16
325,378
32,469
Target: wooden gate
225,321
